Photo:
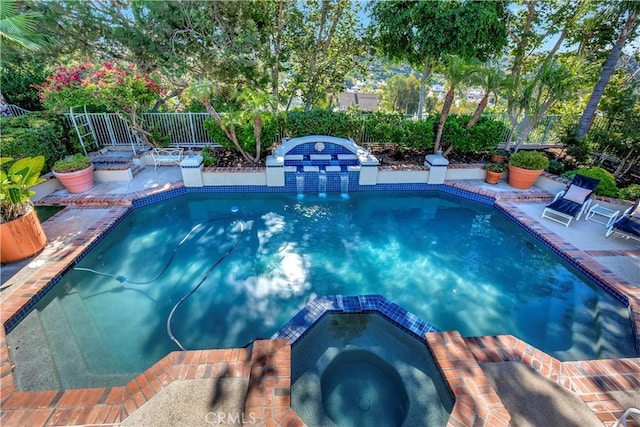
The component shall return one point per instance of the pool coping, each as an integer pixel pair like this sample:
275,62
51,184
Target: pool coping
268,396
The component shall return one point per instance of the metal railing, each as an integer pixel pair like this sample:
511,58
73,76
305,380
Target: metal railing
187,129
11,110
182,128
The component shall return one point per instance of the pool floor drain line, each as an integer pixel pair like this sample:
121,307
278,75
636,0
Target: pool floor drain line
124,279
192,291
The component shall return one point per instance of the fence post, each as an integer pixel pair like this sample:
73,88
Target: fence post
546,129
112,135
193,130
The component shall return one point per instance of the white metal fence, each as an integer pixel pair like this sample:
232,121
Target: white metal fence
187,129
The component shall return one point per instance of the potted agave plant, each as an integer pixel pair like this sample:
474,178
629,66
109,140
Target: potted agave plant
75,173
525,167
21,234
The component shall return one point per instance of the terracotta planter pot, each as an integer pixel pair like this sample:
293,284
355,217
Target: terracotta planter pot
78,181
522,178
21,238
493,177
498,158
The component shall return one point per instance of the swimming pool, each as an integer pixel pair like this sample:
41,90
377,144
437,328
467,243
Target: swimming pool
455,263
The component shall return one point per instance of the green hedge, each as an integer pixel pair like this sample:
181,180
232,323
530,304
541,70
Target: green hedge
606,187
487,133
244,134
323,122
35,134
375,127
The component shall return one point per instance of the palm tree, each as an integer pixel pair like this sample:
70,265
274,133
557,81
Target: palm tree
632,8
556,81
19,29
491,78
203,91
256,104
456,71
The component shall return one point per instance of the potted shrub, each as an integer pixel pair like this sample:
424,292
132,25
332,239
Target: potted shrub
21,234
525,167
499,156
494,172
75,173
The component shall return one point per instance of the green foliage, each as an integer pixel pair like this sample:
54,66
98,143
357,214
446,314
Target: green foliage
244,133
632,192
485,134
158,139
35,134
18,75
607,185
414,31
495,167
576,147
15,184
532,160
209,158
555,167
419,133
325,41
321,122
73,163
111,85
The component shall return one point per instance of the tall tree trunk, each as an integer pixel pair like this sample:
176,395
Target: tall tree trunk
619,170
448,100
607,71
277,49
257,133
479,109
426,72
231,135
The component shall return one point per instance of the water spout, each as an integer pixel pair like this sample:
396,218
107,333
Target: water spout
322,184
300,184
344,185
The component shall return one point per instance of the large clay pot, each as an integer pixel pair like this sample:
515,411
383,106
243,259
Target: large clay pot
522,178
78,181
21,238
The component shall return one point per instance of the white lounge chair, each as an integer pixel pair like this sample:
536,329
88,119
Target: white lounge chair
571,202
628,225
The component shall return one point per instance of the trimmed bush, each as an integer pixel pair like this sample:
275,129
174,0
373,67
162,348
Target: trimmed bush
35,134
606,187
209,158
420,133
323,122
631,192
532,160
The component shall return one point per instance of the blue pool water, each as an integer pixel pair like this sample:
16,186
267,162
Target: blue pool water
455,263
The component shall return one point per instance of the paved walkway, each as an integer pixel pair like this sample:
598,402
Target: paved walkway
198,388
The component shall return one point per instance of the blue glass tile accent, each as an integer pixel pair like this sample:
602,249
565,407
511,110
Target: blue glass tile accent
306,318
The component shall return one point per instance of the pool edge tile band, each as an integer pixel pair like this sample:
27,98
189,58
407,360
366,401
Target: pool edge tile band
308,316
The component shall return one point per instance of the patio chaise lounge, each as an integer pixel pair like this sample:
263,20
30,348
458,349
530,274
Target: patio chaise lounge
628,225
571,202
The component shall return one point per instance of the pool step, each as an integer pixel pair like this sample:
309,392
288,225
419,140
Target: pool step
86,369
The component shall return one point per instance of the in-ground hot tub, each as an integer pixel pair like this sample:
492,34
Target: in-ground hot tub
359,369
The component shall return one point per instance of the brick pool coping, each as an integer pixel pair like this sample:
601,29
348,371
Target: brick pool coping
267,363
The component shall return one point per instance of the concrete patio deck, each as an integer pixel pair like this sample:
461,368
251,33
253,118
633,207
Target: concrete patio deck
234,386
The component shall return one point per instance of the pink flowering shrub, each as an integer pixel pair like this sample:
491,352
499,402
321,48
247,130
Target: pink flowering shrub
109,85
